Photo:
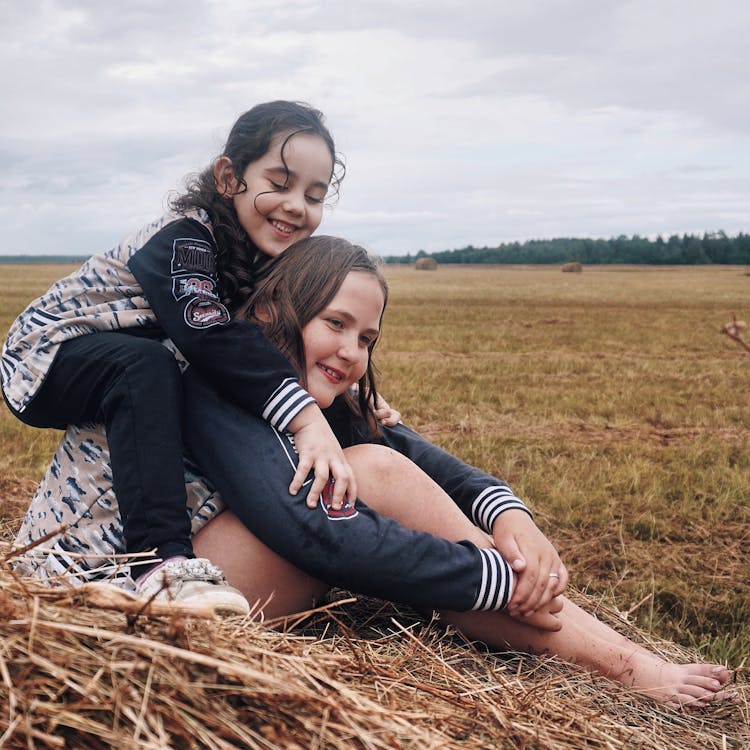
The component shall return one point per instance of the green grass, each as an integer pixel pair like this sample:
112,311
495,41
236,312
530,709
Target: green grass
608,400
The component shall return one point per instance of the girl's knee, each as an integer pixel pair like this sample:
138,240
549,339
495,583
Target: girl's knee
373,457
146,376
151,360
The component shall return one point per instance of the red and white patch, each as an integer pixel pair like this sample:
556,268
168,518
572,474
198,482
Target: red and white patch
346,511
202,312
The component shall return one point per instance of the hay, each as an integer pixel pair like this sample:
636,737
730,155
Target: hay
574,267
426,264
357,674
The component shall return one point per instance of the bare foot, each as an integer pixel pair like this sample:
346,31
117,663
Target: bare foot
687,685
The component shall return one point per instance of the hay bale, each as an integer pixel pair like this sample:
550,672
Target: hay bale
355,674
574,267
426,264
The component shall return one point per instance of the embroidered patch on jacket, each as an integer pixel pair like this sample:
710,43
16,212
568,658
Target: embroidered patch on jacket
193,256
346,511
190,286
202,312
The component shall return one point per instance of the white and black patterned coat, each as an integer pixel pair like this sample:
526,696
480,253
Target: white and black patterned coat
163,279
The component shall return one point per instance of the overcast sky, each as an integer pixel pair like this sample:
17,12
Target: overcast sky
461,121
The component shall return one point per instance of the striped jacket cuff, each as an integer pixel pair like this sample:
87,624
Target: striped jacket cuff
497,582
490,503
285,403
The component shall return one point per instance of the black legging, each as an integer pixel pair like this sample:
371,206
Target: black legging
133,386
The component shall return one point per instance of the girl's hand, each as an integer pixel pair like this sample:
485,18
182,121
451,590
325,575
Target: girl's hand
546,617
385,415
319,451
541,574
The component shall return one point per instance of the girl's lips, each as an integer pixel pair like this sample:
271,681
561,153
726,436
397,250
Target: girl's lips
332,374
282,227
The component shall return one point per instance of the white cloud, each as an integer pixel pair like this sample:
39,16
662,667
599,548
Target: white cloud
462,122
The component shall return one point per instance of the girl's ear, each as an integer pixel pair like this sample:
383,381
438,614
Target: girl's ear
226,182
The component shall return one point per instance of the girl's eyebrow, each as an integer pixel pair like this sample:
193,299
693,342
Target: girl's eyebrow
288,173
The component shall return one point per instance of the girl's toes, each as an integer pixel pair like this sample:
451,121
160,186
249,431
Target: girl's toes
707,683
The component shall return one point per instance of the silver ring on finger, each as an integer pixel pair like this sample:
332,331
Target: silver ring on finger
554,575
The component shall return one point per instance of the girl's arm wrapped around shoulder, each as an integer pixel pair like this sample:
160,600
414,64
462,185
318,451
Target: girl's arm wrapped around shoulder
491,504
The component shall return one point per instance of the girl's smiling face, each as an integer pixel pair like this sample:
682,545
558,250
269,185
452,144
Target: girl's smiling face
286,189
337,341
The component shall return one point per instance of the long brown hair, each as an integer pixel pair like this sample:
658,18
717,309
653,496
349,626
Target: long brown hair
295,286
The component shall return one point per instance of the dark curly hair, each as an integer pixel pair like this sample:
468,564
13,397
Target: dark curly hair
295,286
249,139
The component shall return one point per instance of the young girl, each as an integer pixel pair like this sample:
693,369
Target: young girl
322,302
91,348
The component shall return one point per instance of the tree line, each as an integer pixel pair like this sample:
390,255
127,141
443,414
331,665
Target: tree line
687,249
23,259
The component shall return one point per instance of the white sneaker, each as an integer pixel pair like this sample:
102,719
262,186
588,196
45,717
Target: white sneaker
197,582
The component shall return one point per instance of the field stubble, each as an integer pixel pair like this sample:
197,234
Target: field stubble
608,400
612,404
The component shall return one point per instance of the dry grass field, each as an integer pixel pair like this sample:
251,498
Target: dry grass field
608,400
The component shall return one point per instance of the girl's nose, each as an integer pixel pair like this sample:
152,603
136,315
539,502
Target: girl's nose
348,349
293,204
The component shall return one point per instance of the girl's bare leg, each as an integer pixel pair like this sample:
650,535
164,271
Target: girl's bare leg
396,487
277,586
586,641
266,580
